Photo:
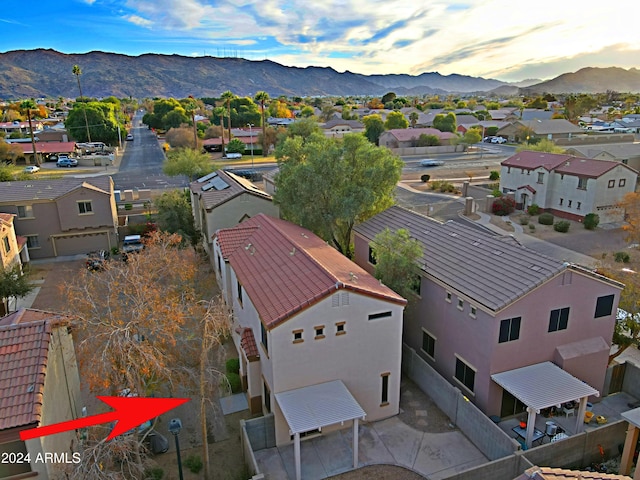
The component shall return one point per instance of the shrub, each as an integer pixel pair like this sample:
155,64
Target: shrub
503,206
193,463
233,365
562,226
155,473
533,209
532,227
621,257
496,193
591,221
442,186
234,382
128,206
524,220
494,175
115,251
425,178
545,219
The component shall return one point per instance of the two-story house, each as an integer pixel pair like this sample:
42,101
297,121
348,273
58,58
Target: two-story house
488,305
311,328
66,216
39,385
13,251
222,200
567,186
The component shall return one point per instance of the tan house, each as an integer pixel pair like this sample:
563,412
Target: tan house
317,336
407,137
338,128
542,129
222,200
65,216
13,251
627,153
39,385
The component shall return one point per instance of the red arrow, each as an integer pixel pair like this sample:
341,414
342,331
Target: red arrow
129,413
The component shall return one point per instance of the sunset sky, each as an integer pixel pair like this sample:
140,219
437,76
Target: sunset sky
507,40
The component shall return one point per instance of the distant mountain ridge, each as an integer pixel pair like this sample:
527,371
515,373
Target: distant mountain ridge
47,73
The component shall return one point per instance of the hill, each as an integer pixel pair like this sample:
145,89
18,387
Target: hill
47,73
590,80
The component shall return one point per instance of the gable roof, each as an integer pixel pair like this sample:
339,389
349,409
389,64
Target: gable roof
284,268
339,121
544,127
34,190
24,350
235,186
563,164
406,134
616,150
49,147
469,260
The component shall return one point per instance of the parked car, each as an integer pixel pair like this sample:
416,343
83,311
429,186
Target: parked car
430,162
129,137
96,260
233,155
488,139
31,169
498,140
67,162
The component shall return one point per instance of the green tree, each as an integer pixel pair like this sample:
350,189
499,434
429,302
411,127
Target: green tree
373,127
77,72
413,118
28,107
396,257
190,108
103,119
9,152
425,140
307,112
13,284
262,98
236,146
175,215
445,123
329,185
219,112
543,145
395,120
189,162
472,136
538,102
303,128
388,97
227,97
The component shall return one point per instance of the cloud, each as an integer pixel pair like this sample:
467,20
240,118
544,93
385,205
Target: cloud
137,20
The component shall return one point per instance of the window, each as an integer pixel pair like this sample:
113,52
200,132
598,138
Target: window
239,288
340,328
448,298
25,211
570,201
267,396
561,201
428,344
522,171
384,400
372,258
264,338
582,183
559,319
7,245
604,306
622,182
33,241
460,304
528,172
85,207
465,374
508,169
376,316
578,205
219,265
319,332
540,177
297,336
473,312
611,184
416,284
509,330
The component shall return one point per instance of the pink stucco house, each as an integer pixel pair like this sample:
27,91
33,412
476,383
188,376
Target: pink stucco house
488,305
313,330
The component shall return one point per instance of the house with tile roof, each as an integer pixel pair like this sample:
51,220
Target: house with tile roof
488,305
551,129
548,473
627,153
567,186
306,317
406,137
13,251
338,128
39,385
222,199
65,216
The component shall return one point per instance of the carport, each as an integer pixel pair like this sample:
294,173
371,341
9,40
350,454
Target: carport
545,385
314,407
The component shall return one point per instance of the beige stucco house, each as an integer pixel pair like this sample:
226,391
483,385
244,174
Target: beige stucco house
222,200
338,128
13,251
308,322
551,129
568,186
627,153
66,216
407,137
39,385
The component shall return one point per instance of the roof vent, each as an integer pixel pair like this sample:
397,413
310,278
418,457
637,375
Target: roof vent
536,268
31,388
475,243
497,252
354,277
293,251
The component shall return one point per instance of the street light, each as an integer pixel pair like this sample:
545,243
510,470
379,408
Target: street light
175,425
250,125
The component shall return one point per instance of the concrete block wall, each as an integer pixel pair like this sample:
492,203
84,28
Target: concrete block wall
631,382
261,432
504,469
247,450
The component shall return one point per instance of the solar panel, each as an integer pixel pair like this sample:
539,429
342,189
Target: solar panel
218,184
206,187
207,177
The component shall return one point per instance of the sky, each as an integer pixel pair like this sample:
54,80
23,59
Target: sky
509,40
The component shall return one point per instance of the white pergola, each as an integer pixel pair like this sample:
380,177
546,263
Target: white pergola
545,385
633,418
316,406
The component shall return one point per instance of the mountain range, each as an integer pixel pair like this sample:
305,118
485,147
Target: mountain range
48,73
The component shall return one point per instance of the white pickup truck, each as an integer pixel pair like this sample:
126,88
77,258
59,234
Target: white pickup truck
132,243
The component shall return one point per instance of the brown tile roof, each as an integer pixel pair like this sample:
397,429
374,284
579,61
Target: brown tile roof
49,147
7,217
587,167
531,160
406,134
213,198
285,268
39,190
547,473
560,163
248,344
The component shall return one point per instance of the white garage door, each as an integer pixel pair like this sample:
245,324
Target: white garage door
74,245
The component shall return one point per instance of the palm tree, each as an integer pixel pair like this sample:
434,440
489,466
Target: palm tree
413,117
263,97
220,111
227,97
28,106
190,108
77,72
